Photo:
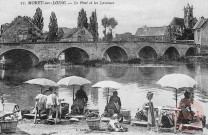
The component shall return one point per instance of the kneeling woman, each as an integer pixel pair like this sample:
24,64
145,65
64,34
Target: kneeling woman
186,114
79,102
114,105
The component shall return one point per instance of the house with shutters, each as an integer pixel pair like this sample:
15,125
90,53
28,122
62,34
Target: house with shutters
20,30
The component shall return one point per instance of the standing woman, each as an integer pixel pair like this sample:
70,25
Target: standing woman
146,113
150,116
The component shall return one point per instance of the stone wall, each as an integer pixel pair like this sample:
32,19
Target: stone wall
47,51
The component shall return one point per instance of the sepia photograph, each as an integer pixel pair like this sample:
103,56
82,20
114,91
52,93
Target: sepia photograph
85,67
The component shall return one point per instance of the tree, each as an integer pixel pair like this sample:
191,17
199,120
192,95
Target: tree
188,34
60,33
109,23
109,36
105,25
112,23
82,19
53,28
93,26
38,19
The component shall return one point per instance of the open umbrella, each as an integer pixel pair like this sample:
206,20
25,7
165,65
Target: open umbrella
42,82
177,81
72,81
107,85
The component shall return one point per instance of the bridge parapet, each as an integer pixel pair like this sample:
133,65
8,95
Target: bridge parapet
182,42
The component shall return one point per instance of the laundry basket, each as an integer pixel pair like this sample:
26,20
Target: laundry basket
8,126
93,121
10,110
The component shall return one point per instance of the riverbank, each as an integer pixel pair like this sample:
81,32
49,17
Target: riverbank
138,80
81,128
138,61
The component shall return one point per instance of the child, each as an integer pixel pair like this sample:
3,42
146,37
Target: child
115,125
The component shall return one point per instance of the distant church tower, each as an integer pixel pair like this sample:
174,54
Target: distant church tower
188,16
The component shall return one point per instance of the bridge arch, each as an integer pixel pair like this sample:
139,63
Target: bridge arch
171,53
74,55
20,57
191,51
115,54
147,53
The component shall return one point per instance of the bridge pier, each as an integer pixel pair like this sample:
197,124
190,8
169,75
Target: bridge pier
133,56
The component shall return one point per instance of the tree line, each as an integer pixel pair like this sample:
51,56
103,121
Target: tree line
82,21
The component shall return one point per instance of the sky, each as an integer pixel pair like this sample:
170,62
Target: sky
130,14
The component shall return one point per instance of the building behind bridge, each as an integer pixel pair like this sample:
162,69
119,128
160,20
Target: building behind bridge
23,30
152,34
178,29
182,28
20,30
201,35
80,34
124,37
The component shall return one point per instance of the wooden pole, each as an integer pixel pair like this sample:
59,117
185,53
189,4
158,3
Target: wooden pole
2,101
175,115
107,95
175,119
73,93
41,89
36,111
176,98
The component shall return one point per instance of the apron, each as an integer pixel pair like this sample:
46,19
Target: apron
151,117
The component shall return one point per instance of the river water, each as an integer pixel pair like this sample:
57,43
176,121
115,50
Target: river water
137,80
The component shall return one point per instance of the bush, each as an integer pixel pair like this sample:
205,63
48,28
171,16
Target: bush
95,63
134,61
53,61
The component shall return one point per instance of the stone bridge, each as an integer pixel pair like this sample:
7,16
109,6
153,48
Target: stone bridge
38,52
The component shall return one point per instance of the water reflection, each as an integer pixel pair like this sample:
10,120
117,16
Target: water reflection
94,96
147,71
77,70
16,76
97,74
113,72
190,67
2,74
136,81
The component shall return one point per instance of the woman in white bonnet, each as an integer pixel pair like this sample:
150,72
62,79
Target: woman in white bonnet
150,111
146,112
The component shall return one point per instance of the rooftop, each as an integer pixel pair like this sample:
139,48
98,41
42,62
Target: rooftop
177,21
151,31
200,23
68,32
